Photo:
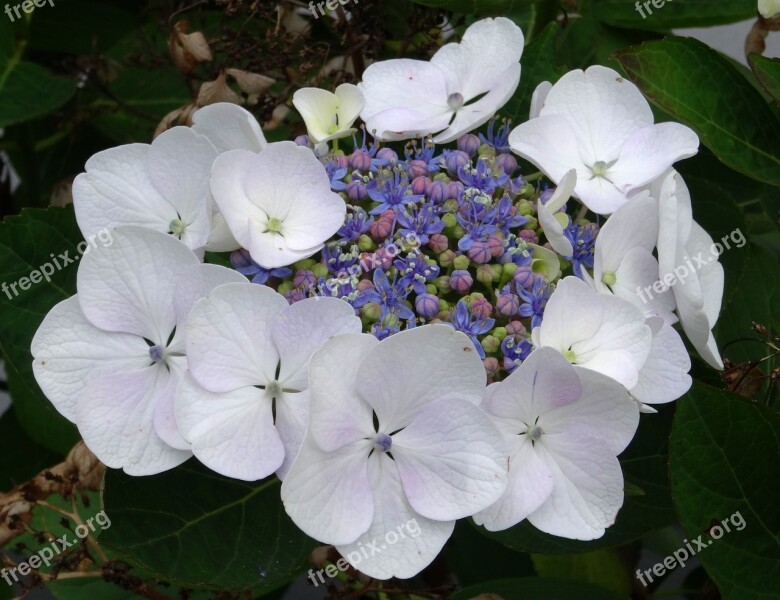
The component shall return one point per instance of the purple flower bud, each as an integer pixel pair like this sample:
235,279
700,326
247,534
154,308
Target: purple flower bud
524,277
461,281
455,160
384,258
507,305
294,295
427,305
365,284
389,155
438,243
480,252
356,190
491,366
529,236
304,278
342,161
496,245
417,168
516,329
481,308
421,185
469,144
456,189
439,191
360,160
380,229
507,163
302,140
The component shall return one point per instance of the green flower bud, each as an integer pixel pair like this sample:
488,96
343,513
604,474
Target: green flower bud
525,208
319,270
371,311
527,191
285,286
491,344
306,263
449,220
442,284
461,262
487,274
486,151
366,244
499,333
446,258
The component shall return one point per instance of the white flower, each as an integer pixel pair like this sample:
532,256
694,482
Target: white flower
243,404
552,224
110,357
406,98
664,376
329,116
433,456
685,254
623,261
768,8
278,204
600,124
163,186
596,331
229,127
564,426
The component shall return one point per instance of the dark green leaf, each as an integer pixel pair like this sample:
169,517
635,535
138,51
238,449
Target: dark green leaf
767,71
696,85
644,466
723,452
537,587
602,567
666,14
197,529
27,243
478,7
539,65
20,457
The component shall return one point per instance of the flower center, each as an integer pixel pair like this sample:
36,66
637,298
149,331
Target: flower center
274,389
383,442
177,227
570,355
599,168
535,433
334,126
157,353
274,225
455,101
609,278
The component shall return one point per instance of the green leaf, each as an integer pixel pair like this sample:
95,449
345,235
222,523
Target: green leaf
724,450
666,14
644,466
478,7
536,587
767,71
197,529
602,567
538,65
27,243
696,85
20,457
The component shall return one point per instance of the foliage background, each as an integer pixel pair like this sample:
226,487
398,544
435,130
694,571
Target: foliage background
82,76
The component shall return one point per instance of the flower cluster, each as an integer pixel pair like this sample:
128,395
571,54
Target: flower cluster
409,331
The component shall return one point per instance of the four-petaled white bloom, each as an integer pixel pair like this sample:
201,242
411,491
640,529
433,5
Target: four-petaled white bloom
110,357
243,405
596,331
685,252
565,426
163,186
406,98
278,204
395,434
598,123
329,116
